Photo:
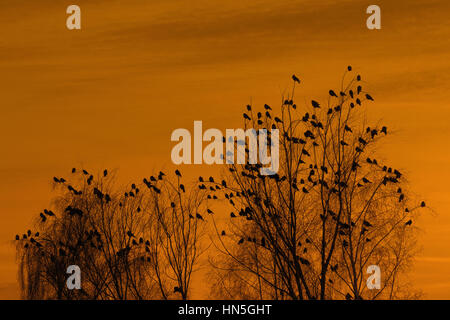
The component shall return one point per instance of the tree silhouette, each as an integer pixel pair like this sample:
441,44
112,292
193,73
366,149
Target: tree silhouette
311,230
135,244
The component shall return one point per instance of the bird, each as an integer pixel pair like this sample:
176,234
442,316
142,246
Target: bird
209,211
130,234
232,215
400,199
182,187
199,216
267,107
422,204
17,237
295,78
176,289
74,170
408,223
246,116
223,233
347,128
384,130
349,68
365,180
369,97
367,223
241,241
105,173
249,107
177,172
332,93
315,104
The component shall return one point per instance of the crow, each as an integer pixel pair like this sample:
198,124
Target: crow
332,93
199,216
315,104
295,78
177,172
368,97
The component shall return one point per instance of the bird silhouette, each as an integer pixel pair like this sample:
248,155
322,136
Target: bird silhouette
182,188
199,216
295,78
422,204
267,107
178,173
74,170
105,173
332,93
241,241
408,223
223,233
315,104
246,116
368,97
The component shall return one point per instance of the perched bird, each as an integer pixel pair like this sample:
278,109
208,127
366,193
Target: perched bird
105,173
182,187
177,172
246,116
73,170
295,78
332,93
408,223
267,107
223,233
232,215
209,211
349,68
17,237
368,97
384,130
241,241
422,204
199,216
315,104
367,223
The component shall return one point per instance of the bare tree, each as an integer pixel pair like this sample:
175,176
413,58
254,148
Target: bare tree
311,230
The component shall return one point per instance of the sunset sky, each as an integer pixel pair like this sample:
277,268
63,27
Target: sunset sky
109,95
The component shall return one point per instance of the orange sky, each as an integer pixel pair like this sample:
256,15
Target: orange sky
110,95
